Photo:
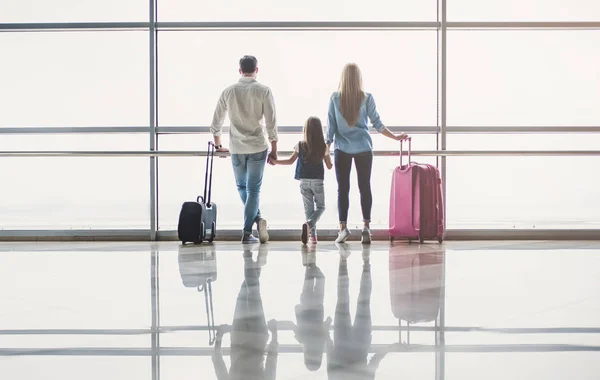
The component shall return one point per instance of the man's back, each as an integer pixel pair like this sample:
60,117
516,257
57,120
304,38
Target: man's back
247,102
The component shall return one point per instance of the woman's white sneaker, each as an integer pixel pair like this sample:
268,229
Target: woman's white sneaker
343,236
366,236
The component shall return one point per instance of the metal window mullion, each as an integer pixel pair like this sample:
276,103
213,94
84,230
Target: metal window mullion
153,120
73,26
296,25
298,129
443,105
566,25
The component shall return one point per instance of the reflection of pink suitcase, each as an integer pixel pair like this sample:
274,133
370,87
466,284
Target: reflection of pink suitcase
416,284
416,204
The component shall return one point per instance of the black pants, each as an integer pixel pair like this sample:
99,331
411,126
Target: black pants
343,166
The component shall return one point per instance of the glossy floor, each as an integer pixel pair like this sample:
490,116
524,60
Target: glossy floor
493,310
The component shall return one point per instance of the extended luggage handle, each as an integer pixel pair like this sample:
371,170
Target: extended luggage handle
409,150
210,157
210,316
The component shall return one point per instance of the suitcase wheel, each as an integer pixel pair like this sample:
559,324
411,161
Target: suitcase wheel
392,239
201,234
421,241
440,240
212,235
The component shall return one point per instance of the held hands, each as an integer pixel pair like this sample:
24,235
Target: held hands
272,326
401,136
272,158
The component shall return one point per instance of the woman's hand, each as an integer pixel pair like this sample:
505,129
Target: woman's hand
401,136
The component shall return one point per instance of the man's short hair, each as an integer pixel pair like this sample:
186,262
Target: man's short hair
248,64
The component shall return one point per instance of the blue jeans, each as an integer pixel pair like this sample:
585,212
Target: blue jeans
248,171
313,197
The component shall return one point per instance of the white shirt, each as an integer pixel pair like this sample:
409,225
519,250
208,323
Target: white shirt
247,102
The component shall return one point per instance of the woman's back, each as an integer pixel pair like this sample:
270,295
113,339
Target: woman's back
352,139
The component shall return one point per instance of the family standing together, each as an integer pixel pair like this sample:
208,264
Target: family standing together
350,109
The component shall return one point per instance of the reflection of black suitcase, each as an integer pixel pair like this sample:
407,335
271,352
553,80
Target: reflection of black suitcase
198,220
198,269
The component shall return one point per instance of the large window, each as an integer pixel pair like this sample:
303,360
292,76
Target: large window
102,75
64,193
523,78
65,79
302,69
309,10
28,11
524,10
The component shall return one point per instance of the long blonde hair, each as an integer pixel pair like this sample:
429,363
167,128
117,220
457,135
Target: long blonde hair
351,93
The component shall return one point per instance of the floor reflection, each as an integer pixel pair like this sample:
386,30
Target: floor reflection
311,327
347,353
198,269
249,330
416,284
347,311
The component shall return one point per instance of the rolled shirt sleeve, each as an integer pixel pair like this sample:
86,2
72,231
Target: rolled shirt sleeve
331,122
270,117
373,114
219,116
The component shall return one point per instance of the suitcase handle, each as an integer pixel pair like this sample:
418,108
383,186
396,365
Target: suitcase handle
210,157
409,150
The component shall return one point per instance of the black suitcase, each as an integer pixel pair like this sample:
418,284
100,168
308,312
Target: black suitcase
198,220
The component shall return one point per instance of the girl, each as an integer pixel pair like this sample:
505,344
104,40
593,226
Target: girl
310,154
350,109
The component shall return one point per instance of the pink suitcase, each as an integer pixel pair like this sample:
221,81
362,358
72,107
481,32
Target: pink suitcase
416,204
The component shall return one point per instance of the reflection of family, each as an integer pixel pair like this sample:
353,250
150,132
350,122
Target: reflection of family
249,331
346,354
350,109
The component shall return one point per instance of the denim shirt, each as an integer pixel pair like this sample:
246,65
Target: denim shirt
356,139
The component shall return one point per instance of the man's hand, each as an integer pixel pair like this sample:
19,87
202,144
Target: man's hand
401,136
272,157
222,330
222,150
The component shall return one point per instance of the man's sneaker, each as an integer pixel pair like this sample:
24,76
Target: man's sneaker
343,236
304,236
249,239
312,239
366,236
263,232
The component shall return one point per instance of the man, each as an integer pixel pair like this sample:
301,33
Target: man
247,102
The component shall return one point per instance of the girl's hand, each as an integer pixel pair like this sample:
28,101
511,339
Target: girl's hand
401,136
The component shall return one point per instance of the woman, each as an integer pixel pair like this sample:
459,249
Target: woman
350,108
